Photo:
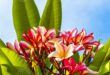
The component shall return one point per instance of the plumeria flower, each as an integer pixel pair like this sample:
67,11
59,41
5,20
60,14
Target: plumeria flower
73,67
16,47
39,37
68,36
61,51
39,42
10,46
85,40
80,40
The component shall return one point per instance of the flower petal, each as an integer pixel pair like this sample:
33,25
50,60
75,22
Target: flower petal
72,61
80,36
92,72
74,32
78,48
53,54
80,67
88,38
59,59
25,36
17,47
10,46
25,44
69,51
59,48
50,33
31,34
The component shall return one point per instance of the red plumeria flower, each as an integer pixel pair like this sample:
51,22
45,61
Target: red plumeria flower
86,40
36,39
80,40
68,36
72,66
40,42
40,37
16,47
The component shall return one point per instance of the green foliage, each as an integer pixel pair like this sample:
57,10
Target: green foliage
12,63
76,57
101,58
105,69
25,16
2,43
6,69
37,70
52,15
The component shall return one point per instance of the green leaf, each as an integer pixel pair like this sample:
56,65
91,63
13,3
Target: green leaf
52,15
13,61
105,68
2,44
25,15
107,73
76,57
6,70
0,70
37,70
101,57
32,12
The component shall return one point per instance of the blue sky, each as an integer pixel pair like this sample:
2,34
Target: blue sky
93,15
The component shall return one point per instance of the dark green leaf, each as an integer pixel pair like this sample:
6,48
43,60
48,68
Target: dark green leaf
25,15
0,70
2,43
52,15
107,73
76,57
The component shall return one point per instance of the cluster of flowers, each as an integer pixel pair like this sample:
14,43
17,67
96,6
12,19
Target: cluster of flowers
41,44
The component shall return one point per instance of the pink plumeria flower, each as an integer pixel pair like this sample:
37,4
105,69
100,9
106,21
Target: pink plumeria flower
14,47
40,34
86,40
72,66
81,39
40,38
44,34
68,36
17,48
10,46
61,51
